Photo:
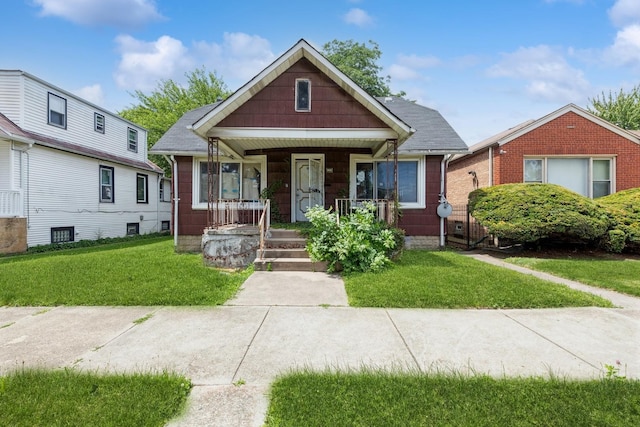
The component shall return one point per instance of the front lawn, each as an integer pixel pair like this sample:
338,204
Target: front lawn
446,279
143,272
616,273
379,399
71,398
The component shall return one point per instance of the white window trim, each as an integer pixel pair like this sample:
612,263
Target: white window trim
113,184
135,131
95,122
195,177
610,157
360,158
303,110
64,125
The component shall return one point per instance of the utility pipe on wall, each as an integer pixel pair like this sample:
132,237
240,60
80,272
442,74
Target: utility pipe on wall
176,199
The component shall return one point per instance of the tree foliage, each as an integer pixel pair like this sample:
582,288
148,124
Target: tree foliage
162,108
360,63
621,109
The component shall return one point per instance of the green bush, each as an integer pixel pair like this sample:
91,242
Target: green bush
623,210
615,241
359,242
534,212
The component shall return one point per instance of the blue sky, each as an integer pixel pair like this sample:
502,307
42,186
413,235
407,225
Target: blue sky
485,65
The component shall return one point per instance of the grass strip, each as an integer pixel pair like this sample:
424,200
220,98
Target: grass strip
145,272
446,279
72,398
379,399
622,275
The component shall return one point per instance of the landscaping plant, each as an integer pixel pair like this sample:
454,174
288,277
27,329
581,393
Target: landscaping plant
358,242
623,210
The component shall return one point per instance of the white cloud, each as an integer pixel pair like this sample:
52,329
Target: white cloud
549,76
625,12
236,60
124,14
91,93
626,48
408,66
144,63
358,17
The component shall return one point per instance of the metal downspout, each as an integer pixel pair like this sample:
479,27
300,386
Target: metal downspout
176,199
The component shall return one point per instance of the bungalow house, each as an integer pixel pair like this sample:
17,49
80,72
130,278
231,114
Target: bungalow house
570,147
70,170
301,133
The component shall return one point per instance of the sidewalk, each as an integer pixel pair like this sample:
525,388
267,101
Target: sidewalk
233,352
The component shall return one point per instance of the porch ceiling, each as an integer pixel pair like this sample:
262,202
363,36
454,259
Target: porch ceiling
237,142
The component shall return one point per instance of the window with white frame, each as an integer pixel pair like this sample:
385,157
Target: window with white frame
303,95
106,184
98,122
165,190
57,107
142,188
374,180
132,137
235,180
589,176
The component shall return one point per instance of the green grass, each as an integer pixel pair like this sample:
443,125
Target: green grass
144,272
622,275
71,398
378,399
446,279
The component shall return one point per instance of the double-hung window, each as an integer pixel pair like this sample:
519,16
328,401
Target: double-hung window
132,140
374,179
98,122
589,176
57,107
233,180
142,188
106,184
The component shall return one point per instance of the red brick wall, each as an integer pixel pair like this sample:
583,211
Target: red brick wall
460,182
274,105
570,134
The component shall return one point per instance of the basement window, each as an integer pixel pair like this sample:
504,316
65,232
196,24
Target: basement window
303,95
62,234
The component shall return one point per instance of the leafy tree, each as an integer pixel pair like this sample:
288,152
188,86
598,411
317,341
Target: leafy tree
162,108
359,62
621,109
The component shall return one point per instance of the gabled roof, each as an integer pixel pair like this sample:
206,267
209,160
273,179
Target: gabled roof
515,132
12,132
423,130
433,134
300,50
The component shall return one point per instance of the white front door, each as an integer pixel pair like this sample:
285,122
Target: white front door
308,184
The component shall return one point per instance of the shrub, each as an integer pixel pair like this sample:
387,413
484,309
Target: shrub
623,210
358,243
615,241
533,212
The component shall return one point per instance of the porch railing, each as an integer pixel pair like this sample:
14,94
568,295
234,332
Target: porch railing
237,212
263,225
11,203
384,208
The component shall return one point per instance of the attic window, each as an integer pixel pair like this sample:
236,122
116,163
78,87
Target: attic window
303,95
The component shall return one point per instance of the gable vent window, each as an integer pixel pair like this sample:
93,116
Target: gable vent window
303,95
57,111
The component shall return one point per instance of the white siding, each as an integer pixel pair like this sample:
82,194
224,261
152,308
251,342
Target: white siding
80,123
10,96
64,192
5,166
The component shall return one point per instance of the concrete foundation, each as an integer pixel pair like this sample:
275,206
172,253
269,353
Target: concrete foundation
191,244
421,242
230,247
13,235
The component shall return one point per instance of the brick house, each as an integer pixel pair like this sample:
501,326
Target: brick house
570,147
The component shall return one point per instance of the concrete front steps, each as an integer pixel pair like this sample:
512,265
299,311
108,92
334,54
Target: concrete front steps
285,251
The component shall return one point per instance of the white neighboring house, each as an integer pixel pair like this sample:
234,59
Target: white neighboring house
70,170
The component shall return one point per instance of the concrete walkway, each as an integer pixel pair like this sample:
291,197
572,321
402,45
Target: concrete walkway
282,321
